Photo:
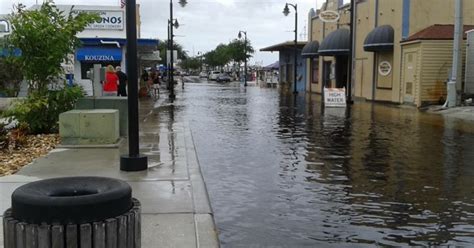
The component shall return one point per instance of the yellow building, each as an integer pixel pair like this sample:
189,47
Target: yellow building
402,48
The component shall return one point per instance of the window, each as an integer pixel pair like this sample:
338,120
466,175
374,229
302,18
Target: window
4,26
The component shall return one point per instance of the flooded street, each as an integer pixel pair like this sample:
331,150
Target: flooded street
284,172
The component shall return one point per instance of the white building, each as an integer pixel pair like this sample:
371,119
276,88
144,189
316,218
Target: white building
103,42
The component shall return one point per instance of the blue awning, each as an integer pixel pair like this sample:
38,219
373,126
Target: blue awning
99,54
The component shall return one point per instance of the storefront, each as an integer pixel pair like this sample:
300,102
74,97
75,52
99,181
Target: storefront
287,62
383,39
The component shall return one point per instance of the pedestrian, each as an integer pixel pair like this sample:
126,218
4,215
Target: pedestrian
123,80
155,78
144,85
111,82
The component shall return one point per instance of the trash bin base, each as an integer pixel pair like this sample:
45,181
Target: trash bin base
121,231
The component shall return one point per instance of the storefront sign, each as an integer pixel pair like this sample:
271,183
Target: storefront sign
334,97
329,16
109,19
385,68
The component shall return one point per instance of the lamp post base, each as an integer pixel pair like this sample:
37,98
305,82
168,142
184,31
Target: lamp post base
136,163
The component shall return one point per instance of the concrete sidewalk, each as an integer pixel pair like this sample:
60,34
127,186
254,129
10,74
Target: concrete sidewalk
175,207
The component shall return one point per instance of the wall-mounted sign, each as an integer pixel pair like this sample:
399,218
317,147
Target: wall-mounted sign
385,68
329,16
109,19
334,97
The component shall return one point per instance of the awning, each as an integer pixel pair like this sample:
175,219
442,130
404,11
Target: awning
289,45
380,39
99,54
310,50
336,43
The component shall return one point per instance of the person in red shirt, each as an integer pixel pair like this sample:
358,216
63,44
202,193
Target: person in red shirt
111,82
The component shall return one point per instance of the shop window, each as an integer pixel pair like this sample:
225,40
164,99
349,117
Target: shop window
4,27
315,71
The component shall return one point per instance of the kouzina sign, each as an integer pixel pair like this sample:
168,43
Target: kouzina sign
99,58
329,16
109,19
385,68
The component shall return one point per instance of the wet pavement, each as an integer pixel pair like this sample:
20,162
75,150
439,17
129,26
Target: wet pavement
284,172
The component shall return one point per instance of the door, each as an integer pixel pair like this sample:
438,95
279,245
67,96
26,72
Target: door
327,74
409,80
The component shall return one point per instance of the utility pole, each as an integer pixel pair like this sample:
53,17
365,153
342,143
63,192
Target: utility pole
351,53
133,161
458,28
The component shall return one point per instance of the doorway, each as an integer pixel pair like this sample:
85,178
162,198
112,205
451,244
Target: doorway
342,71
409,80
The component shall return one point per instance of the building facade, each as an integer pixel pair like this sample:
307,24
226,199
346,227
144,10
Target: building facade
103,42
395,60
287,62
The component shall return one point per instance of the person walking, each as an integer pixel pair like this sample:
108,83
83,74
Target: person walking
111,82
122,87
155,77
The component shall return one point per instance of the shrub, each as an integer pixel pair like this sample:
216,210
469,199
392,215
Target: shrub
41,112
4,141
18,136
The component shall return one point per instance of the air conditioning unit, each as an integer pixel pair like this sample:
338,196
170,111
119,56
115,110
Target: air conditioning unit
469,74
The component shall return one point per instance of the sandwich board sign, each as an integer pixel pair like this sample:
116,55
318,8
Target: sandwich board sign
335,97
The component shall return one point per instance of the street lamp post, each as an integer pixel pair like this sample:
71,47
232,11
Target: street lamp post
200,58
183,3
245,52
133,161
286,11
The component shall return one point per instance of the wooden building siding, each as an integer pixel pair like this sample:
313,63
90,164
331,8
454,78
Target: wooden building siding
436,61
410,48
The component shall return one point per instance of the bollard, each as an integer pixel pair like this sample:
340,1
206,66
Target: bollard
85,212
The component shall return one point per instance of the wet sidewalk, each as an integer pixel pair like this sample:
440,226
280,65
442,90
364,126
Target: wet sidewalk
175,205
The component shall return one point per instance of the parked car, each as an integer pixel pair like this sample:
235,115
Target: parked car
223,77
213,75
203,75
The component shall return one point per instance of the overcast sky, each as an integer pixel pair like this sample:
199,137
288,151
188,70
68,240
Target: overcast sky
207,23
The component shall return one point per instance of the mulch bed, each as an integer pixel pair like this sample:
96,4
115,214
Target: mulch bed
12,160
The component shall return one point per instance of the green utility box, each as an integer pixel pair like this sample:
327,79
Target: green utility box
89,127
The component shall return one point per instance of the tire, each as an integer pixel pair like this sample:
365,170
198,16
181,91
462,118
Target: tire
71,200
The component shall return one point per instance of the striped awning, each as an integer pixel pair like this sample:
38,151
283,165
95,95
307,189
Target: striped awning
336,43
310,50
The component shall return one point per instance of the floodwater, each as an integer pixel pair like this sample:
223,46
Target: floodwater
284,172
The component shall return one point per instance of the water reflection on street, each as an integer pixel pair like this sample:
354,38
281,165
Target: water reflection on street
284,172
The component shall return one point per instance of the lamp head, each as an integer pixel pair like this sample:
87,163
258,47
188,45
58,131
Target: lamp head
176,24
286,10
183,3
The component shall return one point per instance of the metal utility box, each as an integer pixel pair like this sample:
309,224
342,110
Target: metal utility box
469,77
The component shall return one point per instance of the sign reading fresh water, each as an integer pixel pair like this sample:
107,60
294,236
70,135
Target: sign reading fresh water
334,97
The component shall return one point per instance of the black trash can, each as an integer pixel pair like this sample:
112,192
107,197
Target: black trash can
73,212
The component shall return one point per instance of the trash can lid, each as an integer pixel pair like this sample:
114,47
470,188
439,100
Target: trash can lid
71,200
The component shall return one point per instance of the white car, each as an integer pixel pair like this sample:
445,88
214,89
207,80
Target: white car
202,75
213,75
